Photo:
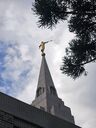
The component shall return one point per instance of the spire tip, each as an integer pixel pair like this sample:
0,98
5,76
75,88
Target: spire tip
43,54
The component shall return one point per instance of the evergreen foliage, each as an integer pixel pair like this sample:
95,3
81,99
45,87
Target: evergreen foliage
81,17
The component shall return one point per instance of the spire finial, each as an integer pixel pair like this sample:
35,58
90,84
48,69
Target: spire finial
42,47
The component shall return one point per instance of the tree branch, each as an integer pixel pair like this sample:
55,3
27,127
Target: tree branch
86,62
86,13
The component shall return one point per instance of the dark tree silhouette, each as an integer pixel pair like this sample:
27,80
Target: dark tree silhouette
81,17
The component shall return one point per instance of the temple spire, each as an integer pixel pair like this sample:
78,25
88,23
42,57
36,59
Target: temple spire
45,82
46,95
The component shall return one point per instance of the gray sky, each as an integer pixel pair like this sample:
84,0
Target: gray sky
20,61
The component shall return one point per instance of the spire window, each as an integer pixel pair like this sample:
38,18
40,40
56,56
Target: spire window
52,90
40,91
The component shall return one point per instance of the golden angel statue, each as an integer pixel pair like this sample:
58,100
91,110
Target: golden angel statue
42,46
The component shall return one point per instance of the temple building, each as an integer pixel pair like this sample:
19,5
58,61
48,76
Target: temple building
46,111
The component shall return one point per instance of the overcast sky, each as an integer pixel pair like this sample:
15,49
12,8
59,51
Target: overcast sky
20,61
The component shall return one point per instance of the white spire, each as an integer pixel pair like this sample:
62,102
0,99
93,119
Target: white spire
46,95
